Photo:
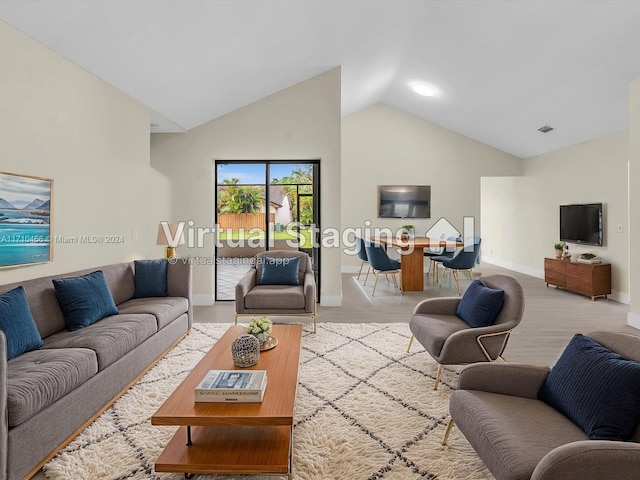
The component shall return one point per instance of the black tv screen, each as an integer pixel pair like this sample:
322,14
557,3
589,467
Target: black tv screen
404,201
581,224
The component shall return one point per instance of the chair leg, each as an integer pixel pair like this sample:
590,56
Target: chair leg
314,315
470,272
366,277
400,282
375,283
450,425
410,342
456,277
360,272
435,387
236,318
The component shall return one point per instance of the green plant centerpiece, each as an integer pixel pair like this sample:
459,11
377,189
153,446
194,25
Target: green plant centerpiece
409,229
559,246
588,256
260,327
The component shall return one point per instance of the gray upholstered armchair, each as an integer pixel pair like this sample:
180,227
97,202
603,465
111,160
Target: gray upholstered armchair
520,437
451,341
255,298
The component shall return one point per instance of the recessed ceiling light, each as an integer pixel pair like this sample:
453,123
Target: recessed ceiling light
423,89
545,129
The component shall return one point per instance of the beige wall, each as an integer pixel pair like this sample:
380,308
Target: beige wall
299,123
634,200
382,145
61,122
520,215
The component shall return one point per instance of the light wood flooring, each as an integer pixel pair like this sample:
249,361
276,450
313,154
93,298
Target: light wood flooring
551,317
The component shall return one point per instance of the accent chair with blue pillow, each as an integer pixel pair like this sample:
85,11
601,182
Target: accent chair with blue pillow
576,420
474,328
279,282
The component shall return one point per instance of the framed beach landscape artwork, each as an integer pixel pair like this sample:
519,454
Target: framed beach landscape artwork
25,219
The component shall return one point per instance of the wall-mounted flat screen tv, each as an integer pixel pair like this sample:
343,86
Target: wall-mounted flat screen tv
404,201
581,224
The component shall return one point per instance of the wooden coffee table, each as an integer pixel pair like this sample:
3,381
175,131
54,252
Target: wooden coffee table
247,438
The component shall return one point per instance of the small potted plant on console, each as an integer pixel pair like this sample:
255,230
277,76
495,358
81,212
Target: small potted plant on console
559,246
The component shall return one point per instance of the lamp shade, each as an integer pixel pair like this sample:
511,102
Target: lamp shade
170,235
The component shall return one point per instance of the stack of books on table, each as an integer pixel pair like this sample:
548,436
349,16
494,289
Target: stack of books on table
232,386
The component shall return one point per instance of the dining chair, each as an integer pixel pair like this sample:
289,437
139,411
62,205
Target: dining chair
431,252
381,263
447,254
362,255
464,260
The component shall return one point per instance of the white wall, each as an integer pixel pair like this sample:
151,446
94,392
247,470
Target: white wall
382,145
299,123
520,215
61,122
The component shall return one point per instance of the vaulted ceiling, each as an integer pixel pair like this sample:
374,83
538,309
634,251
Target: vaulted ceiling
502,69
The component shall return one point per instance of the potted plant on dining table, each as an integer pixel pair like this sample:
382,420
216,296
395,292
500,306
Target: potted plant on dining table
409,230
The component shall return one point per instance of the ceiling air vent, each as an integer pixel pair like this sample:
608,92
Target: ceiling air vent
545,129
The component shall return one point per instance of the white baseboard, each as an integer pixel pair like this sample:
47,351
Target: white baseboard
330,300
534,272
350,269
203,299
620,297
633,320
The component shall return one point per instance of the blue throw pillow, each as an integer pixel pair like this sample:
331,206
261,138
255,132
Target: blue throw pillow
151,278
280,271
84,300
480,305
599,390
17,323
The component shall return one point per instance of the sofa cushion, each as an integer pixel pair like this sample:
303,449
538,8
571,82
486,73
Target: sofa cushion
511,434
280,271
480,305
18,324
596,388
275,297
151,278
165,309
37,379
84,300
111,338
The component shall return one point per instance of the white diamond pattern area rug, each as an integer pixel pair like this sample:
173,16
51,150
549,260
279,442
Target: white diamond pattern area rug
366,409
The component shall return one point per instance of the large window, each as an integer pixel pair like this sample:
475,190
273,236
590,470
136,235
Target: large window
260,206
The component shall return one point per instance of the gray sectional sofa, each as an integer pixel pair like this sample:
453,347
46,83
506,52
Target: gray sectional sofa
48,395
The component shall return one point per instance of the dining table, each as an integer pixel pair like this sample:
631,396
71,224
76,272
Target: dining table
412,257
